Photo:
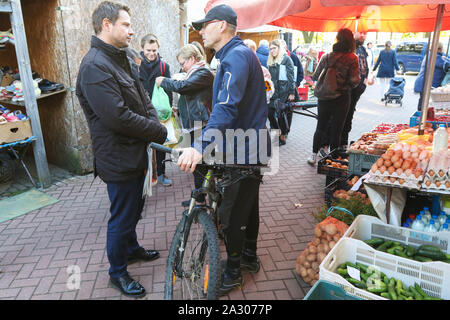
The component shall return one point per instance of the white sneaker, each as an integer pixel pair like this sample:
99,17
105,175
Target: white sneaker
312,159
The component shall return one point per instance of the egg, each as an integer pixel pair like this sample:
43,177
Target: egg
398,163
391,170
406,154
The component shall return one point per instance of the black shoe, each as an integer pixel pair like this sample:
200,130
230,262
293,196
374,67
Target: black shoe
229,281
143,255
128,286
250,266
282,142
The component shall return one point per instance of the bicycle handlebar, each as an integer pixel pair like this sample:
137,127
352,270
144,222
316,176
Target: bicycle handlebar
159,147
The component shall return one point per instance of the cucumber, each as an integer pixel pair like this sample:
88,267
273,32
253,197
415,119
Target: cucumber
435,255
400,253
356,283
362,267
342,272
410,251
419,290
430,247
422,258
349,264
417,295
374,242
383,247
386,295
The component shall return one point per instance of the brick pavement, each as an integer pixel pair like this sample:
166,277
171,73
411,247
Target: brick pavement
37,248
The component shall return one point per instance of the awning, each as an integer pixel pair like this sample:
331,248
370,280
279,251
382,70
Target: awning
255,13
332,15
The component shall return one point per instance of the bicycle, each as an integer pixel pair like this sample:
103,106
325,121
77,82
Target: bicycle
193,268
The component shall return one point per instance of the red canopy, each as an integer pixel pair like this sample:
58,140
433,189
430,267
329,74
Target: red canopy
331,15
255,13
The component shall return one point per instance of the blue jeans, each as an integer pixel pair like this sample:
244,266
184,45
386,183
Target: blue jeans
126,208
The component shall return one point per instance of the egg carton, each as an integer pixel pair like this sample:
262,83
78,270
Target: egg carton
410,177
437,176
411,184
433,187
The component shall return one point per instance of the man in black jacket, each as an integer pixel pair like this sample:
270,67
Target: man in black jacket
122,121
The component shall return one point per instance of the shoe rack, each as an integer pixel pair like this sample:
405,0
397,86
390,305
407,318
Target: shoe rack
14,10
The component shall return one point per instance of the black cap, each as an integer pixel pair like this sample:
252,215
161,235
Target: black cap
221,12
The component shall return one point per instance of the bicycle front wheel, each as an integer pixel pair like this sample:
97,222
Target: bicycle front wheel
193,266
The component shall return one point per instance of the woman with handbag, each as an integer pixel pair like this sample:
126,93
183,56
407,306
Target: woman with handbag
336,74
281,69
195,102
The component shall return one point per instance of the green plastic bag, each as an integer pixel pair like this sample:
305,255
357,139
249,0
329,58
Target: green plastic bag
160,101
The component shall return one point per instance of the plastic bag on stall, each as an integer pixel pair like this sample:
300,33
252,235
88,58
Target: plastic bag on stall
378,196
326,234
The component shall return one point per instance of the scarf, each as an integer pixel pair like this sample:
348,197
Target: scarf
196,66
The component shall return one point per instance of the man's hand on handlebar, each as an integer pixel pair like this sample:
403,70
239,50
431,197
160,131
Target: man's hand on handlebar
189,159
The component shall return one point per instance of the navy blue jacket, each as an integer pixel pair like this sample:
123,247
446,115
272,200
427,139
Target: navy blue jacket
442,65
387,61
263,54
239,103
300,74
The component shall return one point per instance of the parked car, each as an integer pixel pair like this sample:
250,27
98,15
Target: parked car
410,55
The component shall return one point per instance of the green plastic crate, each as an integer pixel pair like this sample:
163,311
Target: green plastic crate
325,290
360,163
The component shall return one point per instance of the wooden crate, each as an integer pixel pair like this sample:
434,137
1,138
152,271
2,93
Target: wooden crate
15,131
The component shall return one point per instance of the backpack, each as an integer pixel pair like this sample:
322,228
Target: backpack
326,86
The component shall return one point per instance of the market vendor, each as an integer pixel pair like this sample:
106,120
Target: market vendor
440,69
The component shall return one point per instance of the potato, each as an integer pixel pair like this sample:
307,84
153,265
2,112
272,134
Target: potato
315,266
311,273
315,241
311,257
313,282
336,237
317,277
326,247
306,251
301,259
331,244
331,229
307,264
322,227
312,249
320,248
324,240
317,231
303,272
298,268
320,257
307,279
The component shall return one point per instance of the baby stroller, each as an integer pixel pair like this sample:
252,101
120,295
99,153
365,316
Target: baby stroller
395,92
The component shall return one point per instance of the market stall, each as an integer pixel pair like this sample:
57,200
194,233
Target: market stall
363,246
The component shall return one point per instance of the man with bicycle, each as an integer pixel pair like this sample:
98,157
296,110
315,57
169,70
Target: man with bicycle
239,103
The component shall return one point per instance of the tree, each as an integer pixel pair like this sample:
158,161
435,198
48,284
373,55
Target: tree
308,36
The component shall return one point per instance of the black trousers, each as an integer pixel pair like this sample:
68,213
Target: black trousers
355,94
336,110
276,122
239,216
126,208
160,164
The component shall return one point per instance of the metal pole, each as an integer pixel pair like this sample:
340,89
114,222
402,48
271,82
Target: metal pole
430,69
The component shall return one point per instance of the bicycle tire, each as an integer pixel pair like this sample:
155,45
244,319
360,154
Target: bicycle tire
205,248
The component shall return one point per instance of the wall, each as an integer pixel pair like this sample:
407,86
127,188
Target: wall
57,41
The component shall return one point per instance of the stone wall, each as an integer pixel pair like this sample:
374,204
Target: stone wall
58,40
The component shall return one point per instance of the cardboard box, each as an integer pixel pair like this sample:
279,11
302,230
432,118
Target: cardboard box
15,131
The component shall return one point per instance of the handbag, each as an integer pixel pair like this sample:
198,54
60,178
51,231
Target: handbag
326,86
281,115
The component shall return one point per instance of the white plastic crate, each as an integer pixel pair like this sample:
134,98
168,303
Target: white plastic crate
367,227
432,277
